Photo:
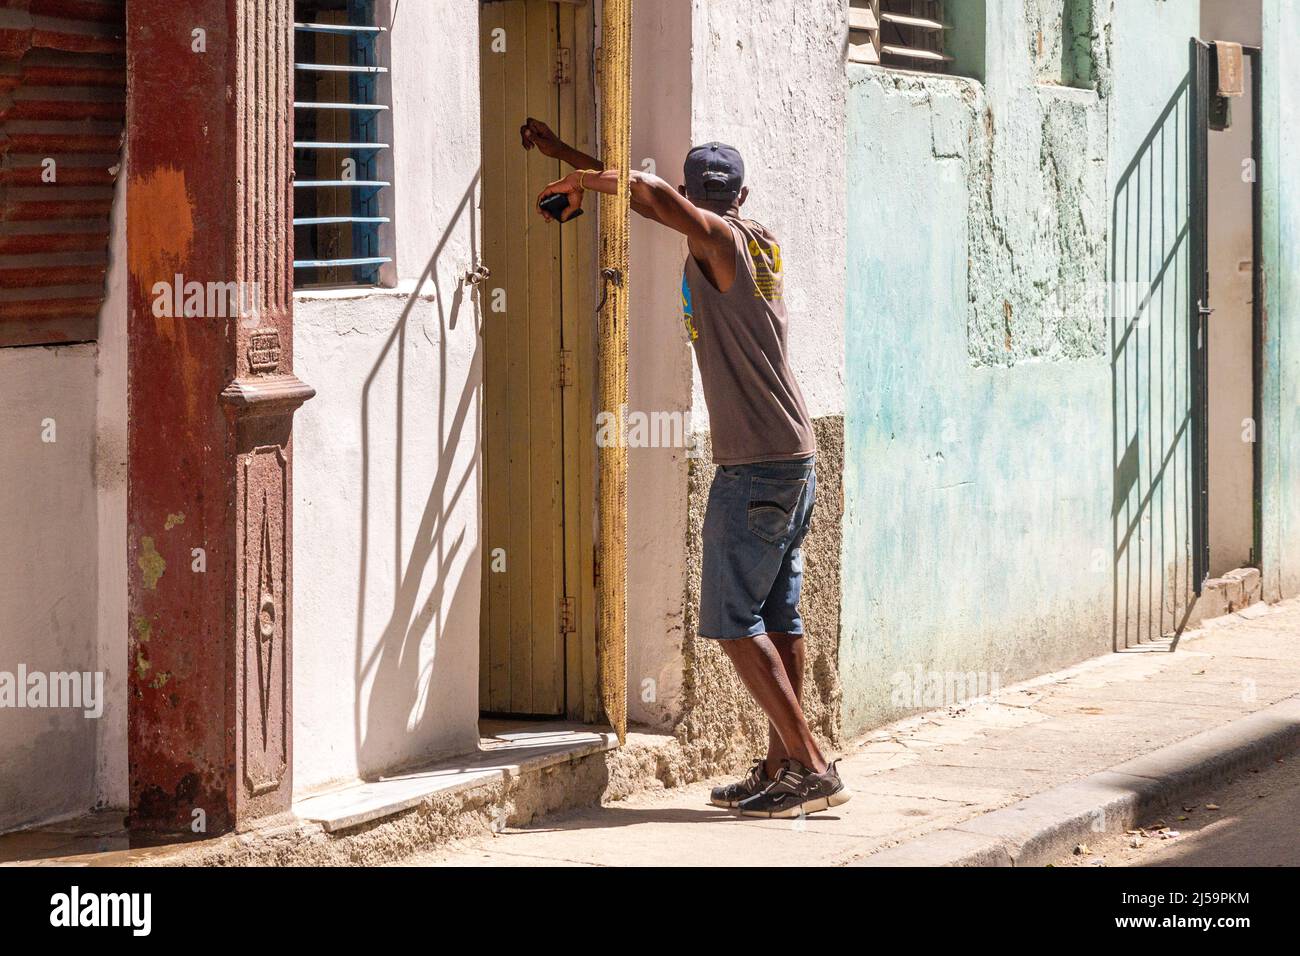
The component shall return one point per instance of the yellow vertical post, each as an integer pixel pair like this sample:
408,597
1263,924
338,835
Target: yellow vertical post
611,596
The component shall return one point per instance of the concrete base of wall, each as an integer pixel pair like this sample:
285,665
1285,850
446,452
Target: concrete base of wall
530,789
1234,591
722,728
392,818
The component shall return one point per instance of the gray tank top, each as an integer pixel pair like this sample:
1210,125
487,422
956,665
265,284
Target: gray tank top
756,411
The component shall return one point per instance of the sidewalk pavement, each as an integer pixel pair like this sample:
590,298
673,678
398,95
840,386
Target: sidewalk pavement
1150,724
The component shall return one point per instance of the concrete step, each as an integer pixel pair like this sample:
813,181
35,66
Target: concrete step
520,771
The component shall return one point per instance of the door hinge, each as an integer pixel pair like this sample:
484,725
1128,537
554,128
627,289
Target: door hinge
567,623
564,368
563,65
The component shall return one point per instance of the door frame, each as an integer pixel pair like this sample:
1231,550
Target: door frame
1255,55
1198,306
1202,72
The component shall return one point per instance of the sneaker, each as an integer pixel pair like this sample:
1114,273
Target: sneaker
796,791
731,795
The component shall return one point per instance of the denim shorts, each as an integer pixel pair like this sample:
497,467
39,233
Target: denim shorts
754,526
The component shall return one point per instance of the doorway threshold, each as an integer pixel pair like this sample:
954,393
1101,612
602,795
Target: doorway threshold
507,750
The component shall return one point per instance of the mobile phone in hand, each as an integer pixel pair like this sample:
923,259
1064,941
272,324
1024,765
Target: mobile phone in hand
555,204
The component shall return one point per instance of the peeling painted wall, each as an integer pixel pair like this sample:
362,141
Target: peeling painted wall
1062,38
769,79
1281,227
951,466
1035,156
984,410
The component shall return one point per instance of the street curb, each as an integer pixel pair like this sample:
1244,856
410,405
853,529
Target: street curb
1047,826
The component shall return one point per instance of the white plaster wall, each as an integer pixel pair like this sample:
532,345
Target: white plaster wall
110,507
659,369
769,79
435,81
47,574
386,478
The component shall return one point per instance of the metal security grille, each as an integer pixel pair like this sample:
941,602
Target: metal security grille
62,103
340,195
908,34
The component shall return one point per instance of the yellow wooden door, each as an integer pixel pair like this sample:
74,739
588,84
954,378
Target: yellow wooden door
537,652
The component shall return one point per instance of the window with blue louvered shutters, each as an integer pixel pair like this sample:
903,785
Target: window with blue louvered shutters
341,210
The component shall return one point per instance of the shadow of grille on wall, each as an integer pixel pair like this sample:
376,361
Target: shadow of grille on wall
1151,389
62,108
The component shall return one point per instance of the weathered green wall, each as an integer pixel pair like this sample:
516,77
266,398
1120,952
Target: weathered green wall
1001,517
1280,482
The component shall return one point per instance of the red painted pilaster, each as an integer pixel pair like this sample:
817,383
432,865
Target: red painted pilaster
211,402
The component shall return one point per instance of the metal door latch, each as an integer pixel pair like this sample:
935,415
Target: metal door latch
476,275
611,276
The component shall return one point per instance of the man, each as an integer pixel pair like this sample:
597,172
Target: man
761,498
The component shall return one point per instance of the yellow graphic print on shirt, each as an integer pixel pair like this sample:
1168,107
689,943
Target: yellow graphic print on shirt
688,313
767,270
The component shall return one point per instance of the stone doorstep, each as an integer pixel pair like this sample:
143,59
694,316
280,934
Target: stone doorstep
501,758
507,755
1232,592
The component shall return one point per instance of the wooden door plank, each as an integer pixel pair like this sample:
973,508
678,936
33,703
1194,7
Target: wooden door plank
585,367
543,333
567,130
495,608
577,248
494,669
518,202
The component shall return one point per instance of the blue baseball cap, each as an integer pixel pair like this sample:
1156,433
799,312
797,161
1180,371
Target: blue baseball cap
713,171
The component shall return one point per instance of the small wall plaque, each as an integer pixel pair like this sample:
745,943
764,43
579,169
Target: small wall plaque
264,351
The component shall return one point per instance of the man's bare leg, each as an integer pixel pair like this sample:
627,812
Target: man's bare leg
762,671
790,647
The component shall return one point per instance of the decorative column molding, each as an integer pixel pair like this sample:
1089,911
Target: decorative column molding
211,400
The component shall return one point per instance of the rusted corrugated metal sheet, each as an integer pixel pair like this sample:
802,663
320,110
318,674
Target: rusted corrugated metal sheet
62,108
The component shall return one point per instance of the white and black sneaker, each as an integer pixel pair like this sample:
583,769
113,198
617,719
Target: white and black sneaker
733,793
797,791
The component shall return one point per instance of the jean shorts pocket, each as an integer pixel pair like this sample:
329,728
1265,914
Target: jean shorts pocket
772,506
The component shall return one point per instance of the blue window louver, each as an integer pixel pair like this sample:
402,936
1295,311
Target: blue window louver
338,205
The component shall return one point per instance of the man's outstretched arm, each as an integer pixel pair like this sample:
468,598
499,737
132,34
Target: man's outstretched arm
707,234
535,134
